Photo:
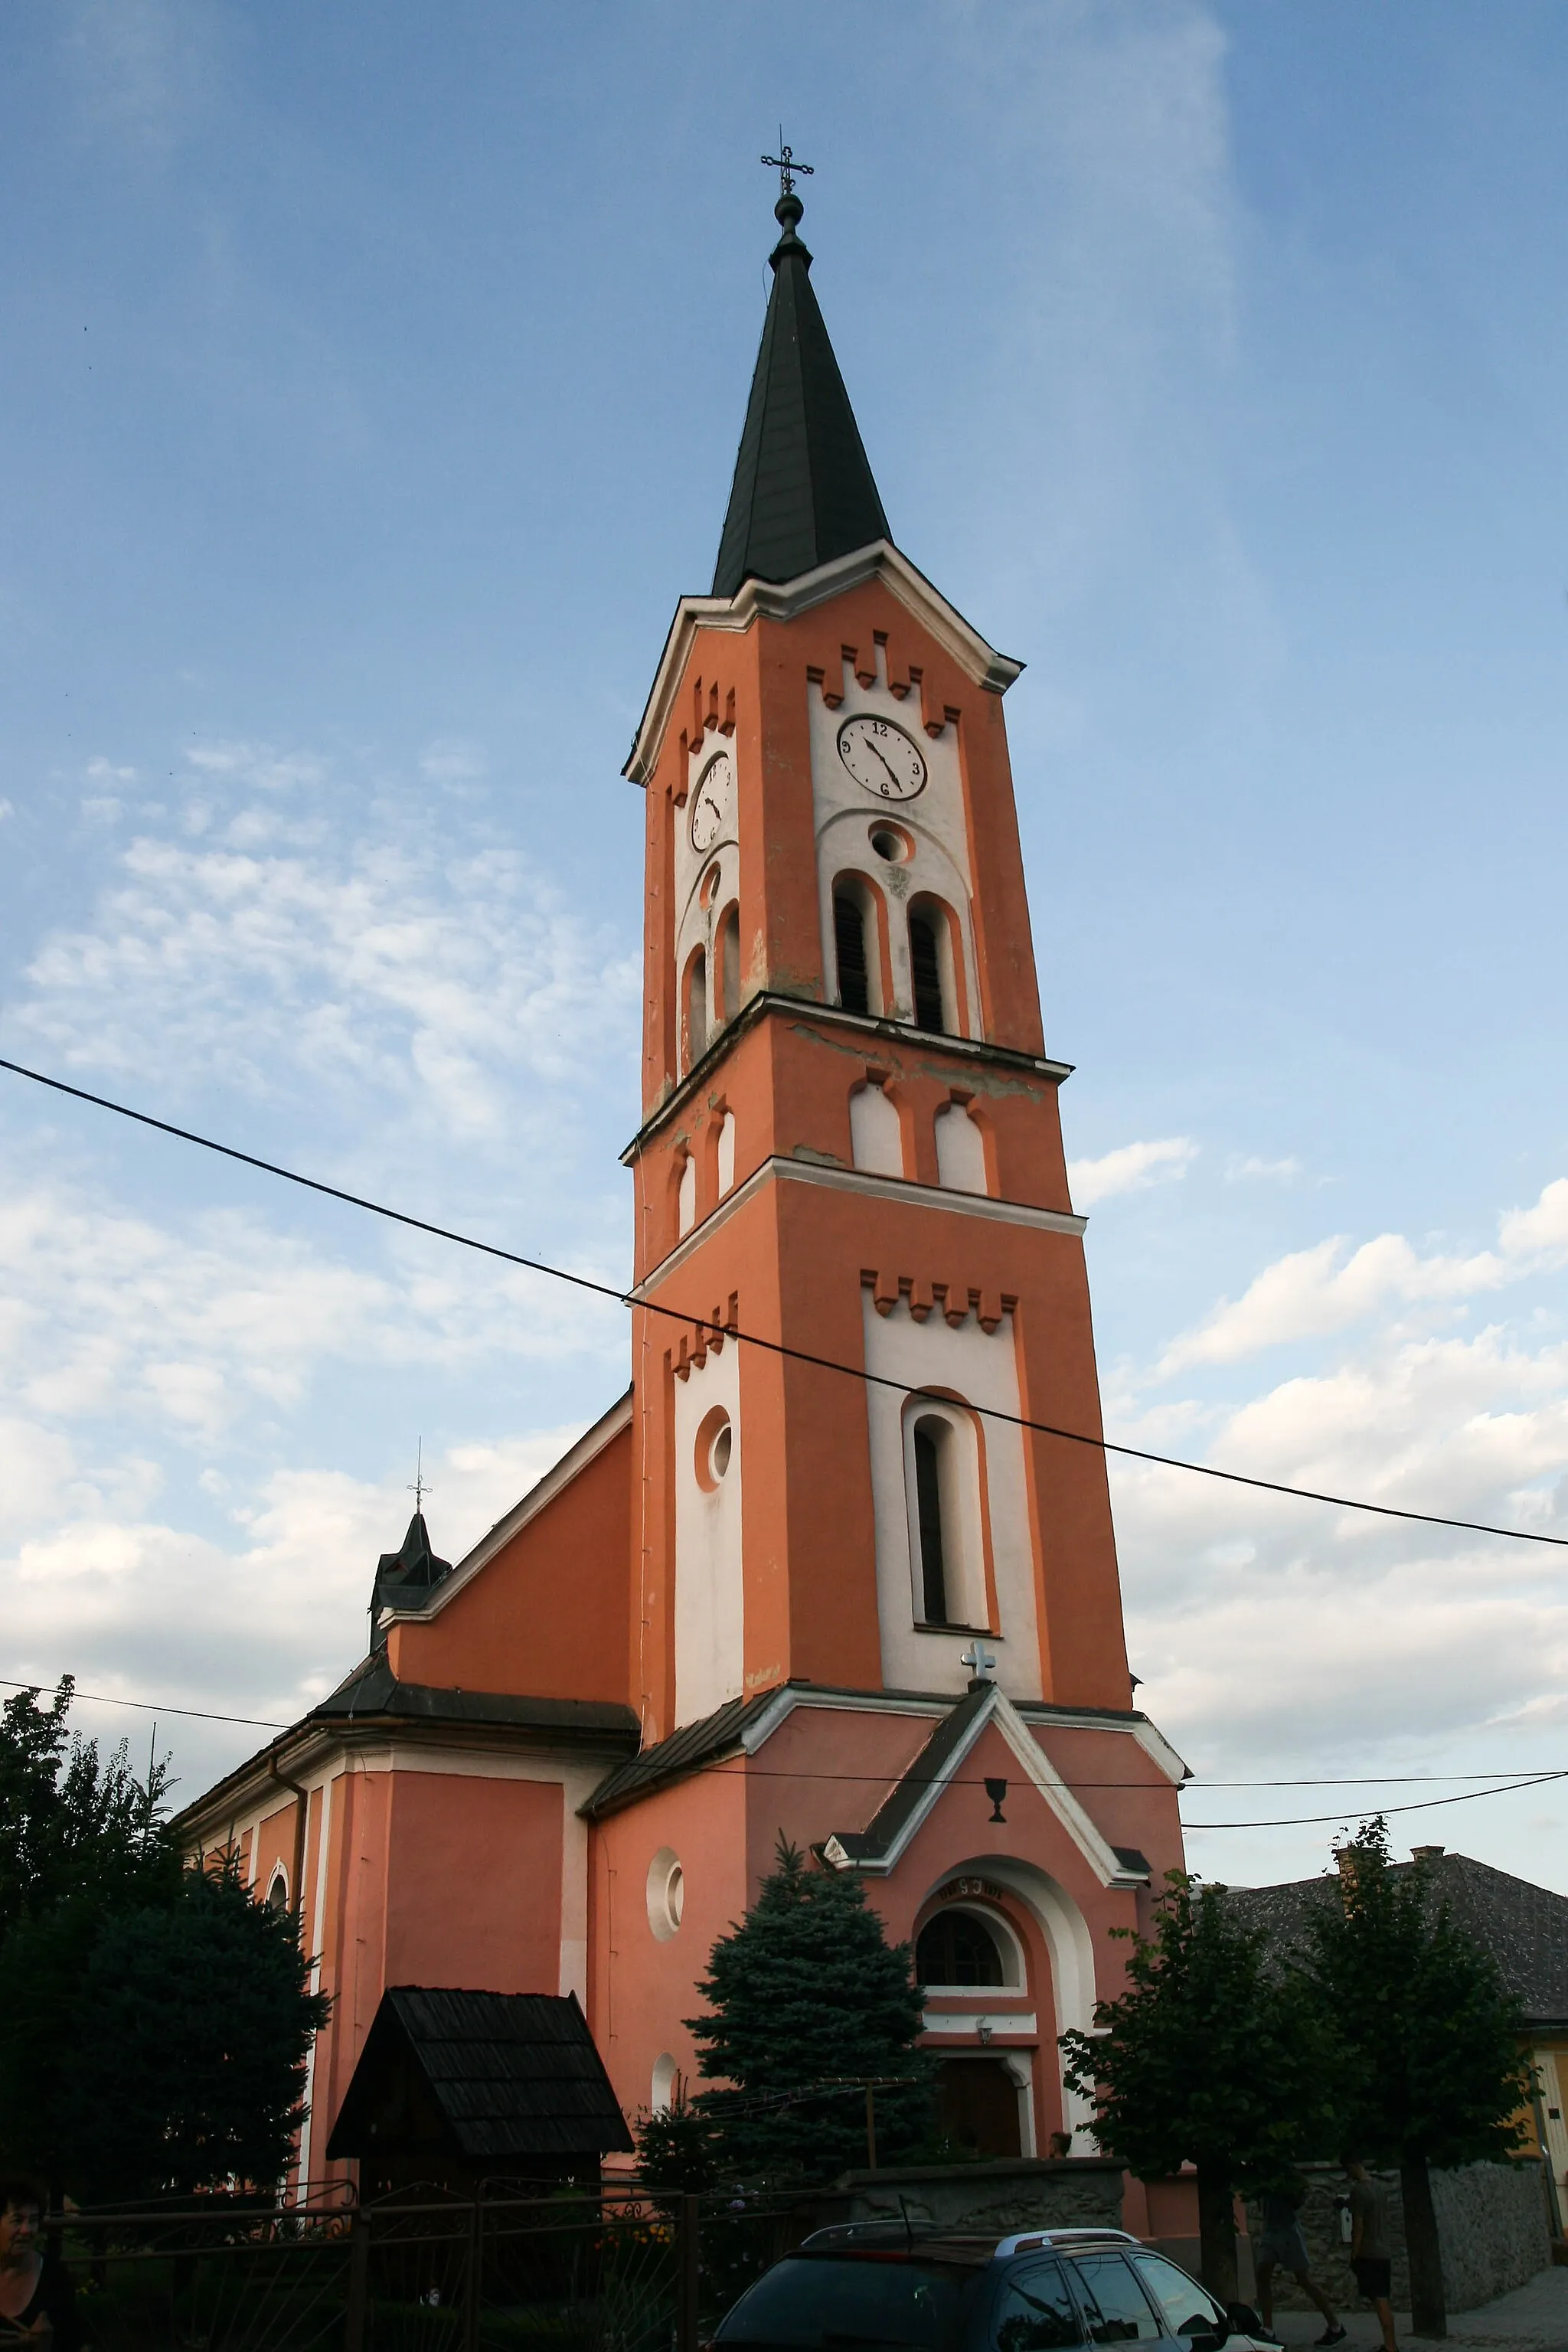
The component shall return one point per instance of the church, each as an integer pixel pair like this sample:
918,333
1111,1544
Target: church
823,1571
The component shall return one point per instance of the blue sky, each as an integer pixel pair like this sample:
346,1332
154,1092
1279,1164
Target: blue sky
372,381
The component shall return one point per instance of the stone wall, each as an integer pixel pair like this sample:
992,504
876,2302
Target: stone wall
1005,2194
1491,2222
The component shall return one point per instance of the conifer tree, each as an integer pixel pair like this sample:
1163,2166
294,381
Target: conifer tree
1429,2068
807,2001
1211,2057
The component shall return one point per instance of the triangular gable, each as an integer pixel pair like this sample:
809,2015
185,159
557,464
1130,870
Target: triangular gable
879,1848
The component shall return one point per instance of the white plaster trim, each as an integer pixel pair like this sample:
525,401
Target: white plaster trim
1155,1745
775,601
898,1188
576,1458
322,1836
1043,1776
942,2021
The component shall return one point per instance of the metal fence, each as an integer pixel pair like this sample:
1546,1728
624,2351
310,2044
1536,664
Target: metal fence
619,2270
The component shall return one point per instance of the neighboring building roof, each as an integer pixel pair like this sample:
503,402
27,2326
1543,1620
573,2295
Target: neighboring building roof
1523,1926
802,491
485,2076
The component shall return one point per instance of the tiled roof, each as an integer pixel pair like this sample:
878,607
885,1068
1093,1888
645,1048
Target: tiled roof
1523,1926
372,1692
802,491
507,2075
716,1735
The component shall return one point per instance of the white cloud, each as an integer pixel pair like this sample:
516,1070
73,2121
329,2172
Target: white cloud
271,954
1244,1172
1313,1292
1279,1636
136,1608
1132,1168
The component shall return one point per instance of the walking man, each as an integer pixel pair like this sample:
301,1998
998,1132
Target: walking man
1369,2257
1283,2247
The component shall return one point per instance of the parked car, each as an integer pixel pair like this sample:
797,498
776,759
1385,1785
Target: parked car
925,2290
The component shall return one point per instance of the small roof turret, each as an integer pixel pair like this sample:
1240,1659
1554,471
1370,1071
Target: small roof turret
802,491
404,1578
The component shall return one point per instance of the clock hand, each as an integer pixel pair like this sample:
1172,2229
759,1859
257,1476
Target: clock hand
872,747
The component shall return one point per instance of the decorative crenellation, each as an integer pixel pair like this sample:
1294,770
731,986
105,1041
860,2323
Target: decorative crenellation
923,1293
713,711
705,1339
912,682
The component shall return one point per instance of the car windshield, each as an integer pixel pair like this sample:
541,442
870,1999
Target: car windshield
855,2298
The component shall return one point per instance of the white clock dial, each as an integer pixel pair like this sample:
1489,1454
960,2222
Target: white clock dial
883,758
711,801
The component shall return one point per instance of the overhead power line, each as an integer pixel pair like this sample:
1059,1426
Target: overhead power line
1504,1778
774,1347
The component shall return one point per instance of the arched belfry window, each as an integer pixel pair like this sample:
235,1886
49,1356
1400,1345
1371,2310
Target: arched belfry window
925,972
849,950
727,963
695,1008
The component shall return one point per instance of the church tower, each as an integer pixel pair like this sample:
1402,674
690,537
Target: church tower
867,1605
850,1142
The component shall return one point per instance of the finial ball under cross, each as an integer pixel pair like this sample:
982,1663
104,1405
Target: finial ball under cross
784,164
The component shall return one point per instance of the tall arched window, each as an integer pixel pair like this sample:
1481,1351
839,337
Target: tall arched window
727,956
925,972
695,1008
949,1543
932,1437
849,948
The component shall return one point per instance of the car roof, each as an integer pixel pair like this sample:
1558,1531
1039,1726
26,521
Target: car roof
937,2244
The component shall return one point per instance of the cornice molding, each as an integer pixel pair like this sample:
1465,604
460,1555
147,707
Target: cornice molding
773,1002
782,600
895,1189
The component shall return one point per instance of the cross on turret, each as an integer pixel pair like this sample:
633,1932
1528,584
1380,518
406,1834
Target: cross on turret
784,164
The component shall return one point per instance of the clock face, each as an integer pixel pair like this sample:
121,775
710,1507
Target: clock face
883,758
711,801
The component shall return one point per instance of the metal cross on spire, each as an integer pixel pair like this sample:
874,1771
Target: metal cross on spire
420,1487
784,164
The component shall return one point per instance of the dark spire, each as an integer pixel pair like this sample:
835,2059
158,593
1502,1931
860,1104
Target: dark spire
406,1578
802,491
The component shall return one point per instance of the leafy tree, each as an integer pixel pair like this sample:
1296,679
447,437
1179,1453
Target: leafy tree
1429,2066
1210,2057
69,1819
188,2064
807,1994
80,1838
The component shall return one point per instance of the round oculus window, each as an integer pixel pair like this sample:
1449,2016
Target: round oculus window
714,1450
666,1893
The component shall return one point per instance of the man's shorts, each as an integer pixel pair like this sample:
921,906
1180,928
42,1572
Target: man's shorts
1373,2275
1286,2248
